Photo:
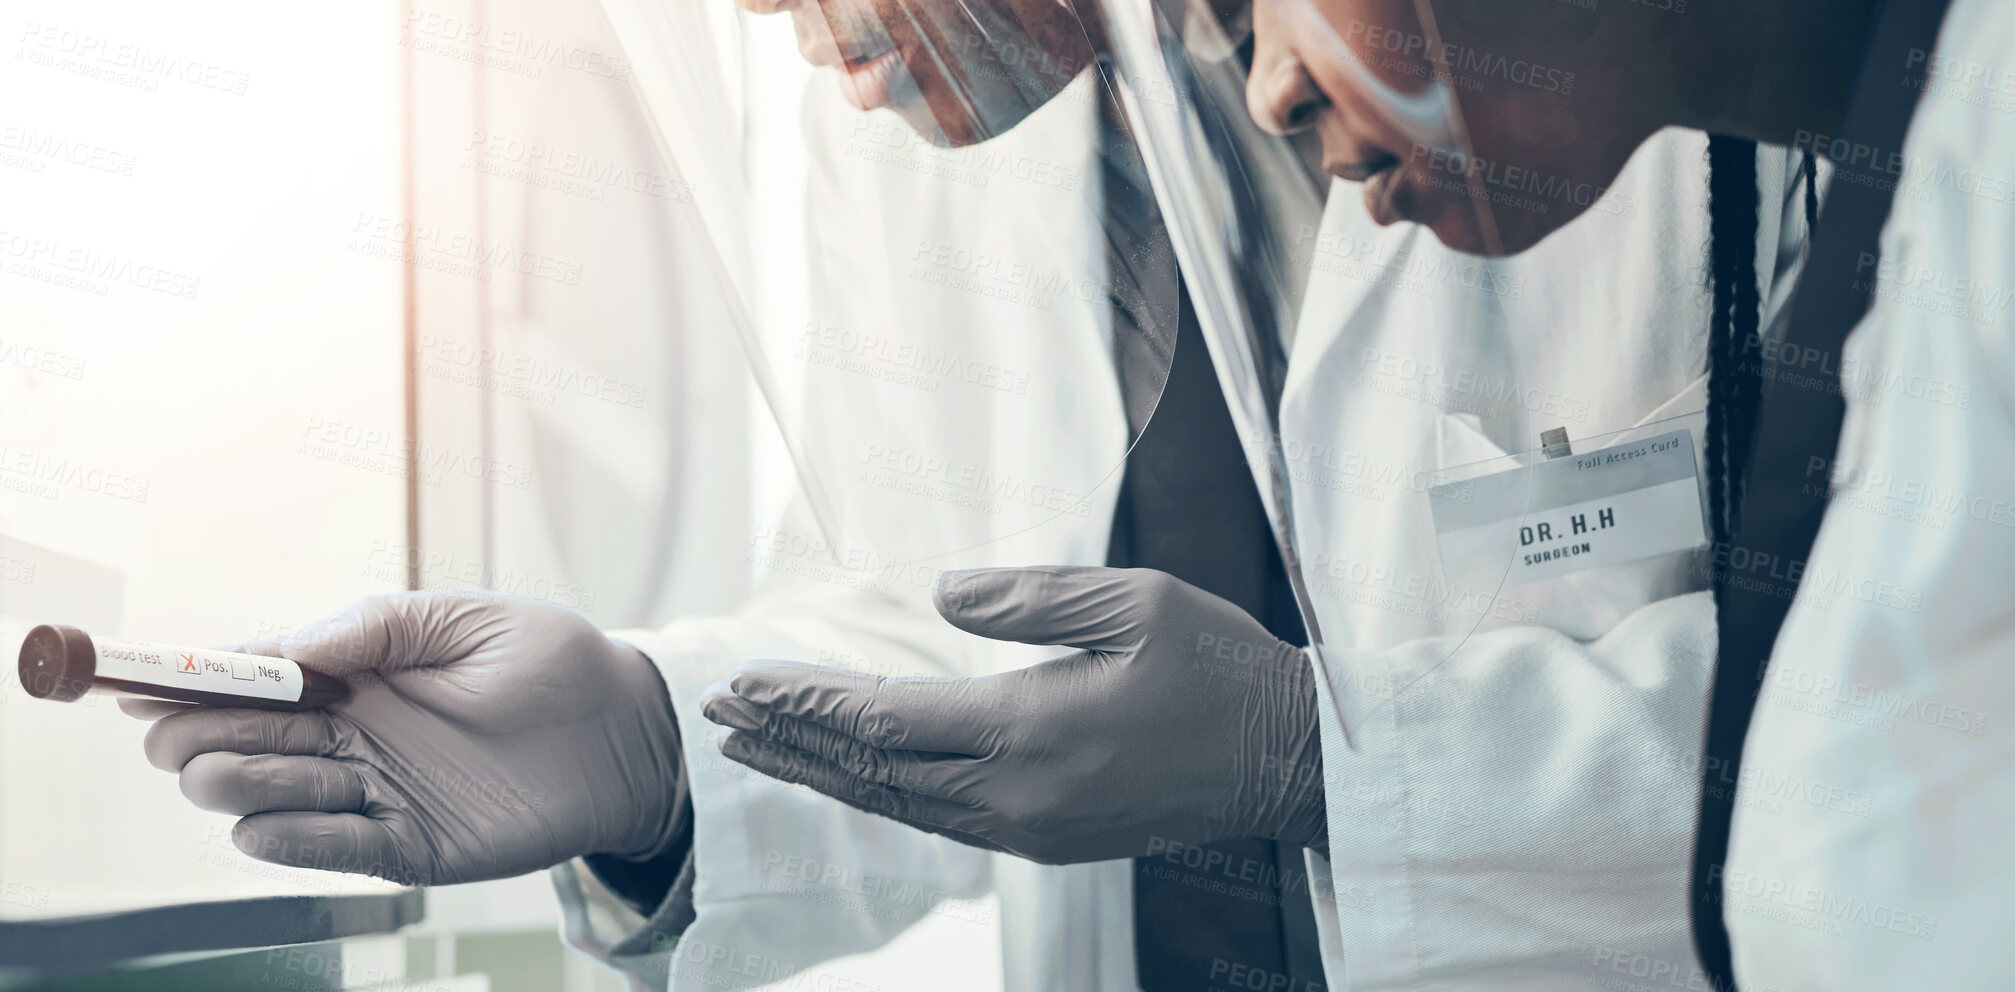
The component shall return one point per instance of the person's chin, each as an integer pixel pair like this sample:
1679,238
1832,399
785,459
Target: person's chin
1463,234
1456,225
1515,232
950,131
957,121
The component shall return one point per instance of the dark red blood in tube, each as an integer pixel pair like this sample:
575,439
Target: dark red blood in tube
63,664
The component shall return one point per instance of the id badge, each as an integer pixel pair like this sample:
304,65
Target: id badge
1623,503
1574,536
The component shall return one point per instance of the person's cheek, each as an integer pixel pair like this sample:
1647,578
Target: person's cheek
815,37
1336,145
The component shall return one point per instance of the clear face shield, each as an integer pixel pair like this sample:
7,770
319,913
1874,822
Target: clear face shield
1409,530
988,306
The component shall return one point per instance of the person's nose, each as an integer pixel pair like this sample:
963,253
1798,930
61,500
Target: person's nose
1281,96
768,6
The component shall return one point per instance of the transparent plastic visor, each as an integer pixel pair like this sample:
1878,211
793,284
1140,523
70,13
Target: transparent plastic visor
991,305
1238,201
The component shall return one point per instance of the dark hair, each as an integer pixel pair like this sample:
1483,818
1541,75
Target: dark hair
1732,331
1734,342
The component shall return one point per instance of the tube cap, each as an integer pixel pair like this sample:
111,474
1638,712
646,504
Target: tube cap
58,663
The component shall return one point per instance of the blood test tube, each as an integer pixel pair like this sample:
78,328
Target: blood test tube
64,663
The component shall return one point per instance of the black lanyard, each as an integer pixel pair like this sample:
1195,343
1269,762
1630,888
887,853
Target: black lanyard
1798,419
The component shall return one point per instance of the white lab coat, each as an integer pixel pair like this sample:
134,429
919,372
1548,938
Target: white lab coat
1516,896
1512,809
781,871
1869,848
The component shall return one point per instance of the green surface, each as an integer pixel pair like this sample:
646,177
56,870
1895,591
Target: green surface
530,961
420,963
307,968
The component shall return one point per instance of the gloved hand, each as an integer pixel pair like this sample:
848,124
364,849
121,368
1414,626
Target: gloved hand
1180,719
485,736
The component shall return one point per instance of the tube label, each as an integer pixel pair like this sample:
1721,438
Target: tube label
221,672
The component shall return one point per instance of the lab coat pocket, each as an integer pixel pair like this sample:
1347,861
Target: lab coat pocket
1573,536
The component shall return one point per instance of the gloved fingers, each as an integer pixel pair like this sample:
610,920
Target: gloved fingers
269,647
788,764
151,709
968,839
386,632
347,842
264,783
911,713
920,772
1080,606
366,635
377,633
798,768
178,737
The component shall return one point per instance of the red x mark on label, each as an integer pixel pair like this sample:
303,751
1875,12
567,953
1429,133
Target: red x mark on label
188,662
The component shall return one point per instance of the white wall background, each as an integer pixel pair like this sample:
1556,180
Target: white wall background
180,308
200,394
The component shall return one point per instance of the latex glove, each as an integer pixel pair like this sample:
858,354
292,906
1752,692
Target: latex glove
1181,719
485,736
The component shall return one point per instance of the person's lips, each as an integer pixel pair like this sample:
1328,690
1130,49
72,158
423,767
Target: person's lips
1380,175
1381,196
1363,170
865,82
